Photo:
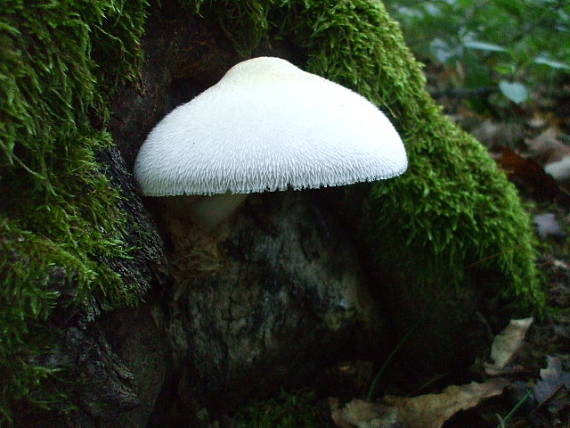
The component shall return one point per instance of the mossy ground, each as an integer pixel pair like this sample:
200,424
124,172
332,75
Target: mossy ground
289,409
58,68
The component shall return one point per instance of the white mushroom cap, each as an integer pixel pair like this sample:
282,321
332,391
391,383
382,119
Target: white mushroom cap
265,126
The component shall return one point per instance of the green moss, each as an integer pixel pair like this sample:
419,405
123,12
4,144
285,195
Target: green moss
297,409
453,213
59,215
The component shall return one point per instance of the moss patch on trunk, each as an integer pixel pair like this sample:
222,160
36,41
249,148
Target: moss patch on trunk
59,64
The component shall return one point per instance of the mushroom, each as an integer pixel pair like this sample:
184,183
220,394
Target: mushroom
265,126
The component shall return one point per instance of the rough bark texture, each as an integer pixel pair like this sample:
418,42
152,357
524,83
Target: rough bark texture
282,295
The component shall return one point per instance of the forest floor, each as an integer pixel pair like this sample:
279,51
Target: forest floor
524,141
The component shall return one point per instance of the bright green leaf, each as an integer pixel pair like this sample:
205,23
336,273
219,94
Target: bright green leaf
514,91
551,63
484,46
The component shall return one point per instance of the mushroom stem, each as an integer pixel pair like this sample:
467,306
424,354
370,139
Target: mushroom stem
206,211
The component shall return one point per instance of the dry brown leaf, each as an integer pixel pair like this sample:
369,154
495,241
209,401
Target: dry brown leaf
552,379
490,132
507,343
364,414
424,411
547,147
538,120
529,174
432,410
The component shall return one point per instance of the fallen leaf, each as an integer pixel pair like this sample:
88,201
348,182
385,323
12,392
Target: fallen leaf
559,170
433,410
559,264
552,379
490,132
364,414
538,120
506,344
530,175
547,147
546,225
491,370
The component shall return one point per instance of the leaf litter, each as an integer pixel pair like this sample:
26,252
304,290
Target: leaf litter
506,344
435,409
423,411
552,380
